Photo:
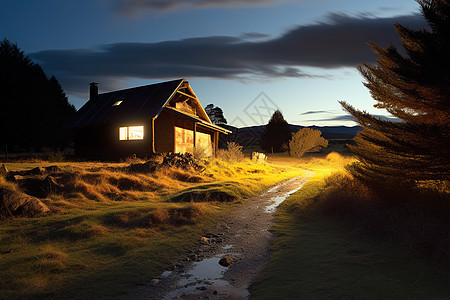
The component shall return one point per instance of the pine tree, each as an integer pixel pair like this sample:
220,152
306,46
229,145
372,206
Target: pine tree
32,107
276,134
215,114
415,88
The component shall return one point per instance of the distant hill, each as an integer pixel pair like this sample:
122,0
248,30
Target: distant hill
249,137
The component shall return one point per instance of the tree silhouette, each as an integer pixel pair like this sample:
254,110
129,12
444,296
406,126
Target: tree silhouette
414,87
276,134
32,107
215,114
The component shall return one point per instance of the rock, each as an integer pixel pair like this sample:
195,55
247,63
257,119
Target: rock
14,178
40,188
50,186
258,157
35,171
3,171
226,261
147,167
185,161
155,281
15,203
204,240
52,169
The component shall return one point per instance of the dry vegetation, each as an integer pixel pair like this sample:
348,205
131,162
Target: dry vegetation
417,217
105,220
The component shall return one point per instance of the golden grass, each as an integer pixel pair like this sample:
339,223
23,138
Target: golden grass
107,222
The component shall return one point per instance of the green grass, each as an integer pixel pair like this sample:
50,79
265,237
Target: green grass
320,257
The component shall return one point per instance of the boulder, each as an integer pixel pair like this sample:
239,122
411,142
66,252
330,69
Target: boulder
40,188
52,169
35,171
147,167
15,203
14,178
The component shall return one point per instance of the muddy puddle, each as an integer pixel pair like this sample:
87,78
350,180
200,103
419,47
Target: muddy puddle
277,200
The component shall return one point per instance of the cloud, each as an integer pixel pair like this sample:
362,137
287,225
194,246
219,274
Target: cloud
312,112
338,41
135,7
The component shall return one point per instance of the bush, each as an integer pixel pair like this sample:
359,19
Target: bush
306,140
232,154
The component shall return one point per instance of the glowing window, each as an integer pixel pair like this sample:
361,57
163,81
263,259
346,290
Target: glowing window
123,133
118,103
136,132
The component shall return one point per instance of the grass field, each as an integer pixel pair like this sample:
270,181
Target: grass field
317,256
110,230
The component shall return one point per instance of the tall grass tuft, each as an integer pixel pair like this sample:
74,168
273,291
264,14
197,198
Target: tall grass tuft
419,218
232,154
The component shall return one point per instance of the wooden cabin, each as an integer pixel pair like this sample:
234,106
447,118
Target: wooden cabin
156,118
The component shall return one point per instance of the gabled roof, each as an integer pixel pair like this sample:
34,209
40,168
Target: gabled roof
144,102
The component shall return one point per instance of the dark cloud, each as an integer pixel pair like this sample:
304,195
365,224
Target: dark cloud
312,112
339,41
135,7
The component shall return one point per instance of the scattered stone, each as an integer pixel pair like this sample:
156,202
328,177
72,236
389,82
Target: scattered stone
226,261
155,281
204,240
202,288
15,203
184,161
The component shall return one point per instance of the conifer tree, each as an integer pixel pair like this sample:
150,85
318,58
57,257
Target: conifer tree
413,86
32,107
276,134
215,114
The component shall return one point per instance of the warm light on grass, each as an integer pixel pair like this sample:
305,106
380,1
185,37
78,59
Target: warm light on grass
113,228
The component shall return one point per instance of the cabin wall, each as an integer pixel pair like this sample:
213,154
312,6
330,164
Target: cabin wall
164,132
102,142
175,133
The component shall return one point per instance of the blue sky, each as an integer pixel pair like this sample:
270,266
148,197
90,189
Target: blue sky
245,56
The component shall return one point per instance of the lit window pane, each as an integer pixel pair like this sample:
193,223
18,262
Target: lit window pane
123,133
136,132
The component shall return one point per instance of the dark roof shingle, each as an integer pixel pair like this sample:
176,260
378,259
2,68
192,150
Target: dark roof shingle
139,103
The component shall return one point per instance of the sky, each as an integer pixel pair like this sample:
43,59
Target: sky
249,57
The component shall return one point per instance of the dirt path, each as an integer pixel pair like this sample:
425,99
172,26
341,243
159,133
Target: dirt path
243,235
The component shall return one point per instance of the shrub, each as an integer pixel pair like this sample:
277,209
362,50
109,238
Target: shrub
232,154
306,140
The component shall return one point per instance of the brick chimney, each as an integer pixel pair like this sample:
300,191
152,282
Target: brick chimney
93,91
